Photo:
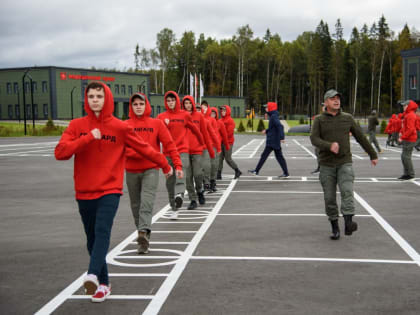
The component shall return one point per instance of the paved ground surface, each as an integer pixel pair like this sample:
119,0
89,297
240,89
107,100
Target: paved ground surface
259,246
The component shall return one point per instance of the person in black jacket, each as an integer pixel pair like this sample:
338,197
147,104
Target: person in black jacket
275,135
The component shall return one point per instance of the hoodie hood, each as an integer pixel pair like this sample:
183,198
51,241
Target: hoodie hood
147,110
191,99
108,108
177,105
412,107
400,115
213,110
394,116
228,111
208,113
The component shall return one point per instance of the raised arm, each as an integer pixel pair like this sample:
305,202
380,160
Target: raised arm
71,142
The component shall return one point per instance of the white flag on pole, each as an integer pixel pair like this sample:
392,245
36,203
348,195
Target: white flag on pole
191,84
201,87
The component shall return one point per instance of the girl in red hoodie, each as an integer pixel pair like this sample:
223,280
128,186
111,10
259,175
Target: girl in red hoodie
141,174
98,142
178,123
227,154
209,163
194,171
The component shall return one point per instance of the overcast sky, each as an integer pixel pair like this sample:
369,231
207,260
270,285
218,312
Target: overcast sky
82,33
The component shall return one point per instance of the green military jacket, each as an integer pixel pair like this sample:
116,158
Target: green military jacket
328,129
372,122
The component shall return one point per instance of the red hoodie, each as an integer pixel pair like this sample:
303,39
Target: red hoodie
177,121
408,130
198,119
390,127
154,132
213,130
417,122
221,129
398,123
229,124
99,164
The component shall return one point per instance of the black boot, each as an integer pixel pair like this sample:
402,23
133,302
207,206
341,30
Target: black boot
201,198
207,188
193,205
213,185
219,175
350,226
238,173
335,235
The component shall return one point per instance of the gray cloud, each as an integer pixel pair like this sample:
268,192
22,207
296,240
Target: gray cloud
104,33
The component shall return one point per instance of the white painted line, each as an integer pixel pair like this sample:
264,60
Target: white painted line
276,192
138,274
169,283
374,180
177,222
257,148
416,183
390,230
357,156
375,261
270,178
25,152
286,214
304,148
28,144
167,243
114,297
304,179
146,257
174,232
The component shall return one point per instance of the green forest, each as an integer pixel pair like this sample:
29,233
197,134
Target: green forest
366,68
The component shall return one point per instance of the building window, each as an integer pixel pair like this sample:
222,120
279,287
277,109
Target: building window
130,90
117,89
35,111
44,87
9,88
45,110
16,88
28,111
116,109
140,88
123,89
413,82
158,110
34,86
17,111
27,88
153,111
10,111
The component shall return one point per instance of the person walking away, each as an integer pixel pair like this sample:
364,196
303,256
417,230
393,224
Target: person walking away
331,134
274,135
98,142
372,123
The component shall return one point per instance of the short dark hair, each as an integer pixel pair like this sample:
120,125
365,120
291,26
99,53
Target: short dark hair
94,85
170,95
140,97
204,102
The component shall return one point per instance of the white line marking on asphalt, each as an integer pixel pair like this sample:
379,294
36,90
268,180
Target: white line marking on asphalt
174,232
286,214
28,144
416,183
304,148
276,192
390,230
375,261
114,297
257,148
167,286
357,156
138,274
374,180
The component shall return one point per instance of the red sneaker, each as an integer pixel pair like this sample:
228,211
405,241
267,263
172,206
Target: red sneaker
102,293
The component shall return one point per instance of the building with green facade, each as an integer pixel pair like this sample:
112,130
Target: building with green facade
58,93
411,70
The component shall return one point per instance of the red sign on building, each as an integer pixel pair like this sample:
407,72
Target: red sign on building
63,76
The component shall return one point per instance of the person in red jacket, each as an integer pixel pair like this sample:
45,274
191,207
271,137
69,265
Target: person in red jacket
408,138
142,175
227,154
98,142
210,165
389,130
397,128
178,123
194,171
417,145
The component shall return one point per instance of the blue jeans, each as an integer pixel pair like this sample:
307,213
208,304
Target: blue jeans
279,157
97,217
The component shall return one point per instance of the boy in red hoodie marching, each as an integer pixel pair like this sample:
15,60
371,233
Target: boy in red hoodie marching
194,171
98,142
227,153
178,122
141,174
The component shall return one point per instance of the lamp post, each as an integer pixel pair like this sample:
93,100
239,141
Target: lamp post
24,100
32,103
18,99
71,100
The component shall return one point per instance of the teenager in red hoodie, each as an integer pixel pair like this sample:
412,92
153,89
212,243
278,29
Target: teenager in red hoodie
397,128
390,130
141,174
194,171
227,154
178,123
408,137
98,142
417,145
209,163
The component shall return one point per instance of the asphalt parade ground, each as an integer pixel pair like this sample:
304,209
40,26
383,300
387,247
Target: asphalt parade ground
260,245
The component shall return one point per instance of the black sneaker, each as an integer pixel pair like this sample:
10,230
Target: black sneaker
179,200
253,172
238,173
201,198
219,175
283,176
213,185
193,205
405,177
335,234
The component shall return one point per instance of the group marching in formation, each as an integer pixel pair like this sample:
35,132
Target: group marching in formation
190,143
